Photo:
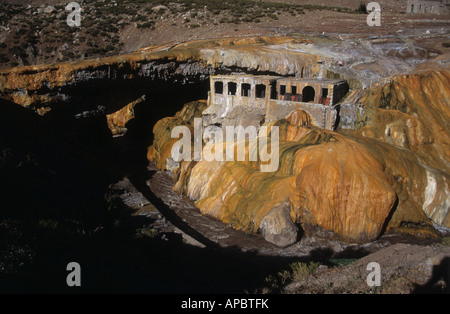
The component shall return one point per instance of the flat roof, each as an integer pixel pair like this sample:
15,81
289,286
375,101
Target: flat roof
278,78
312,80
243,76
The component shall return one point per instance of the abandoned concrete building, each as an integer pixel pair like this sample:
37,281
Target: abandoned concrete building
252,100
424,6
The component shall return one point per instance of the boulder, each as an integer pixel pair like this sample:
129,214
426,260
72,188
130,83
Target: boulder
159,8
277,226
49,9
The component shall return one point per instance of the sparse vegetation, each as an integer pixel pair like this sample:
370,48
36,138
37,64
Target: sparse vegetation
149,24
445,241
102,20
362,8
3,58
297,271
342,261
301,270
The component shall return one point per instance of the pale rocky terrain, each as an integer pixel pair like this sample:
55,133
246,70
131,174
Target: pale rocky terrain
33,35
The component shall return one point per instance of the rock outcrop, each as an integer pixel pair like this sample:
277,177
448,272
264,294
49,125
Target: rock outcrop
412,112
348,186
160,151
277,226
118,120
392,172
108,80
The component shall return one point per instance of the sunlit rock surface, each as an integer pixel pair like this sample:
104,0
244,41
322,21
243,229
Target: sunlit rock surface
118,120
391,172
412,112
161,150
353,185
41,87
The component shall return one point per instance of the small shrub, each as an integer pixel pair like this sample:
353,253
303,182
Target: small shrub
342,261
149,24
3,58
445,241
139,18
148,233
297,271
446,44
362,8
301,270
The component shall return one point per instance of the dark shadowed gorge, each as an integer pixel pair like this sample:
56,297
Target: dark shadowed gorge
87,172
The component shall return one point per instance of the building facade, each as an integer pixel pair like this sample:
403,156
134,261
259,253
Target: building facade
424,6
252,100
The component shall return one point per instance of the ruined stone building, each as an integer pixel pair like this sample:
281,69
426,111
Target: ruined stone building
425,6
252,100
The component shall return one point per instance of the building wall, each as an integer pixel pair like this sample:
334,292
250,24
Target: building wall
339,92
225,108
421,6
300,85
322,116
239,100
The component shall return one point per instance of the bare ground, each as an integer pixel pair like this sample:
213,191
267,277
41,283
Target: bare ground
31,36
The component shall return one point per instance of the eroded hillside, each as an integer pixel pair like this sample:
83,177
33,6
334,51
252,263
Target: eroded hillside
351,185
391,172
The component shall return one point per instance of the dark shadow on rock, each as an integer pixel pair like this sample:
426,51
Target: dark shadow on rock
53,179
389,217
353,253
51,166
439,282
322,255
54,211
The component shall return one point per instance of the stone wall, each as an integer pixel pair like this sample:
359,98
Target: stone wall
348,115
421,6
322,116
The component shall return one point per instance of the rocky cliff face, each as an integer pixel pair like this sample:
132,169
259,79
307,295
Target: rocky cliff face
114,82
352,185
392,172
412,112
